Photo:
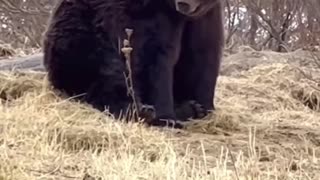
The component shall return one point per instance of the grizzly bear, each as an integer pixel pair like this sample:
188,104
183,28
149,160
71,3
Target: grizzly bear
177,47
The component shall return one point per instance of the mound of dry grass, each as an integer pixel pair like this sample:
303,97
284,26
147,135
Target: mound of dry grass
266,126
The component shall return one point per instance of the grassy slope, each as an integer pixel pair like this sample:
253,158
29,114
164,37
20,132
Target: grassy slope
260,130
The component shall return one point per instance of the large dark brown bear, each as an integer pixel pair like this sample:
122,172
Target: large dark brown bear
177,47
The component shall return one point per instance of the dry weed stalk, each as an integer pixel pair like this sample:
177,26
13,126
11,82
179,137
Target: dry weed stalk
126,50
316,59
6,50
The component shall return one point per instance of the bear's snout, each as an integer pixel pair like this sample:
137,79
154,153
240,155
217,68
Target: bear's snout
187,7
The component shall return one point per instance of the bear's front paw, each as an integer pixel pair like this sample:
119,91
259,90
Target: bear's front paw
147,112
171,123
190,109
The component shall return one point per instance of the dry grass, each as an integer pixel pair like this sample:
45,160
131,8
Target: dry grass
266,126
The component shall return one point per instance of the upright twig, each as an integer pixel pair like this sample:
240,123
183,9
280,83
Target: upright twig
126,50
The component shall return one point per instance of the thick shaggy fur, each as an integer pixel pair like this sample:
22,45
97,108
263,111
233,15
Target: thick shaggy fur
175,59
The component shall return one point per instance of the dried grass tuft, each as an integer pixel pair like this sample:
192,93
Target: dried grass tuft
266,126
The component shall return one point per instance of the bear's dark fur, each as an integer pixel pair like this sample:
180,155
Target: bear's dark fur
175,58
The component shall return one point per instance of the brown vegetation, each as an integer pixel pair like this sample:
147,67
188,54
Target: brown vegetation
266,126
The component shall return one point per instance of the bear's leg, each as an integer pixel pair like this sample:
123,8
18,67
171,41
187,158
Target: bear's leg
68,44
207,45
197,70
161,49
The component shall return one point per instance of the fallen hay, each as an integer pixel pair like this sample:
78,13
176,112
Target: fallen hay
266,126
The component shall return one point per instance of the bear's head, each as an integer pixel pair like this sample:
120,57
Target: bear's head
194,8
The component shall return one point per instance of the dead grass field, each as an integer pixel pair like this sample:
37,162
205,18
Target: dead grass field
266,126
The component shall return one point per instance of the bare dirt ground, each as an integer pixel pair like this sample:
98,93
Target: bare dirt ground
266,126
